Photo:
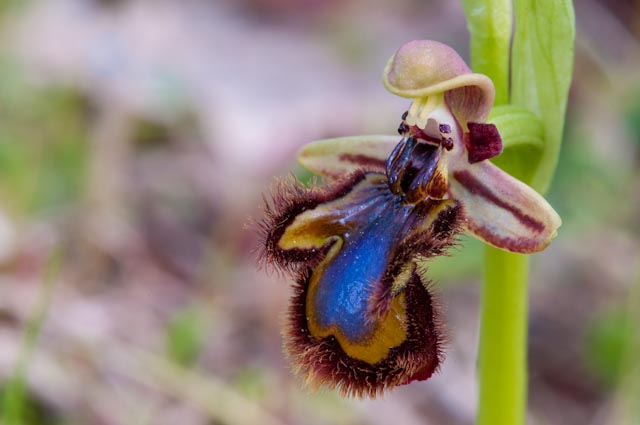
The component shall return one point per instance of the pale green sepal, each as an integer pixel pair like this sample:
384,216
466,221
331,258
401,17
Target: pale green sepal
334,158
503,211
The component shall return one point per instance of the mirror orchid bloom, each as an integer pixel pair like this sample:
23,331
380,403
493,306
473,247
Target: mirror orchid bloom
449,109
362,318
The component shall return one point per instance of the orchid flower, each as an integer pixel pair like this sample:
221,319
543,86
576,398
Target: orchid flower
449,108
362,317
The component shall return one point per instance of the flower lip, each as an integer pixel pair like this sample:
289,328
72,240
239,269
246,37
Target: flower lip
363,318
422,68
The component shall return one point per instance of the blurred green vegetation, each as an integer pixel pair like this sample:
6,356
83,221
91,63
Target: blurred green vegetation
185,336
586,189
43,143
631,115
609,340
251,383
7,6
21,408
17,405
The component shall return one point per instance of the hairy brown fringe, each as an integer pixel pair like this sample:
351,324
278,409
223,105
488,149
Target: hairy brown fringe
323,364
289,198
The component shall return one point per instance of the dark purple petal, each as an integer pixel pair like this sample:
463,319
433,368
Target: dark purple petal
483,142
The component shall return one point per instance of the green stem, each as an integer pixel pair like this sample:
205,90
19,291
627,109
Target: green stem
502,356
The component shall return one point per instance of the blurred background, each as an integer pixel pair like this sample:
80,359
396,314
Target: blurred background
136,139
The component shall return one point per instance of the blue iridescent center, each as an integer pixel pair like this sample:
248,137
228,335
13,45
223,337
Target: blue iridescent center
350,278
